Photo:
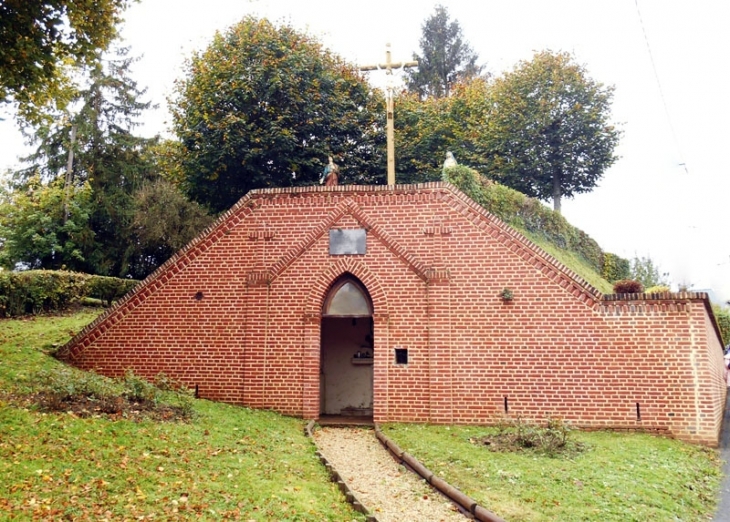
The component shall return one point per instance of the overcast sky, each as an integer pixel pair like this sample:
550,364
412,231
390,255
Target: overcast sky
667,195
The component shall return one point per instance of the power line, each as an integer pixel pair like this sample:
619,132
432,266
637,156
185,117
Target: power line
661,90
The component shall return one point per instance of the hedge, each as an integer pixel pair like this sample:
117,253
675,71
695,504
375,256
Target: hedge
44,291
528,214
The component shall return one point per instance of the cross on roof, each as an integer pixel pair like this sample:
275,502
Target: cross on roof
389,65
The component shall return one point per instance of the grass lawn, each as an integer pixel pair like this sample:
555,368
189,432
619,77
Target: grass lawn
619,477
228,463
233,463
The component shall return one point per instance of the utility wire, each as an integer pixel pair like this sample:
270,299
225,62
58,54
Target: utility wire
661,91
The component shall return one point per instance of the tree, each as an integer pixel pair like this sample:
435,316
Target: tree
44,226
112,213
106,155
549,133
264,106
426,129
38,38
647,273
446,58
163,221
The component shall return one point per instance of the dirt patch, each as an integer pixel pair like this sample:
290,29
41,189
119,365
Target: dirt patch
113,408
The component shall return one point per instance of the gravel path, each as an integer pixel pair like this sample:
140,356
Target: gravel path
389,491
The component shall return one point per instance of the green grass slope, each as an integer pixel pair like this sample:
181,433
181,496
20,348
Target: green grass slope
547,229
228,463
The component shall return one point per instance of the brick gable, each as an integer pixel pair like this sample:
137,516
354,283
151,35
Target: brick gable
237,314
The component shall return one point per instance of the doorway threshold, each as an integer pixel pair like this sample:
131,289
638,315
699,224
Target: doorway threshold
345,420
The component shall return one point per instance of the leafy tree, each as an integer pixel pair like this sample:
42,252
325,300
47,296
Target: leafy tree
263,106
166,156
44,225
647,273
163,221
549,133
38,38
423,134
446,58
426,129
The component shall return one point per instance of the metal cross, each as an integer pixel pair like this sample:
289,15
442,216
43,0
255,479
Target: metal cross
390,132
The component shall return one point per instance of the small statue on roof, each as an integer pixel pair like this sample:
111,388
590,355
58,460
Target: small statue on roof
449,162
331,173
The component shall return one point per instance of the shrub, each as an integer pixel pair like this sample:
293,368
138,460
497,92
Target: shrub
65,383
466,179
551,439
43,291
722,316
628,286
166,383
38,291
66,388
137,389
615,268
108,289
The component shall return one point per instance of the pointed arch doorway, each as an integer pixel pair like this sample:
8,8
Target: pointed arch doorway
347,354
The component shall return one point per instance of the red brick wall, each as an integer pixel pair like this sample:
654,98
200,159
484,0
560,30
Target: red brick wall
434,267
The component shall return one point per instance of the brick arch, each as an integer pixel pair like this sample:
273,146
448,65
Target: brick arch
313,322
325,279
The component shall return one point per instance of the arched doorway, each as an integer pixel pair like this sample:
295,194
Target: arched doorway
347,355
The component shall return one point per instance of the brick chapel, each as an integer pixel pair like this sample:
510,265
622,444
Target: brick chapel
408,303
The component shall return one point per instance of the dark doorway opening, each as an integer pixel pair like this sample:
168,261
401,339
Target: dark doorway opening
347,352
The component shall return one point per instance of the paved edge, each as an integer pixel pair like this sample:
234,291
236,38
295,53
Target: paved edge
335,477
467,503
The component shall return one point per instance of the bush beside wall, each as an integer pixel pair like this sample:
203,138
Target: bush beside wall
44,291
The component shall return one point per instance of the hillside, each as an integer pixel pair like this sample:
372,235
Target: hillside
546,228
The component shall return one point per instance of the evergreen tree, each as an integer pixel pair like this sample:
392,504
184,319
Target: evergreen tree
163,221
95,137
111,213
446,58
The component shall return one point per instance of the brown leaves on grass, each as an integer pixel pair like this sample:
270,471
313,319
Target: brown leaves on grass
112,408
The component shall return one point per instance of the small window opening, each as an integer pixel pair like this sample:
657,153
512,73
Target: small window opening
401,356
